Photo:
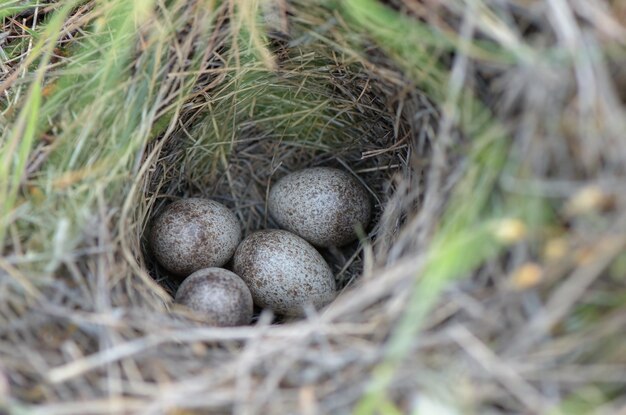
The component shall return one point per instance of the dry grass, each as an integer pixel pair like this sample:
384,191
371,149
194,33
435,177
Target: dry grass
490,135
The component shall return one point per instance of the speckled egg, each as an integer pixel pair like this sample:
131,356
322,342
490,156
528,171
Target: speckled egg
192,234
218,294
284,272
322,205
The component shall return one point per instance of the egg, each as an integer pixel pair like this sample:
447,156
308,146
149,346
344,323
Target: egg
322,205
192,234
220,295
284,272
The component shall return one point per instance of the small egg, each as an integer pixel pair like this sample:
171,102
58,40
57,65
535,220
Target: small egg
192,234
322,205
219,294
284,272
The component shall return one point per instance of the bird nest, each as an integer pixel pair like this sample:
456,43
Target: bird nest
309,105
311,110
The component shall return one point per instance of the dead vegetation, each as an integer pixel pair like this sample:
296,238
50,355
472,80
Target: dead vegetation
490,135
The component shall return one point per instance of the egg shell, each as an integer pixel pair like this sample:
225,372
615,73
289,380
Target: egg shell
192,234
220,295
284,272
322,205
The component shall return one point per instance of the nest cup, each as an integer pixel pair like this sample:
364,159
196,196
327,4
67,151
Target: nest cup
311,106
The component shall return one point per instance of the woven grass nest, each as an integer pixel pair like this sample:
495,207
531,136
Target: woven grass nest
491,280
310,110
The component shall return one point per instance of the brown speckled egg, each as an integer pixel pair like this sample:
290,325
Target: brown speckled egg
284,272
321,204
219,294
192,234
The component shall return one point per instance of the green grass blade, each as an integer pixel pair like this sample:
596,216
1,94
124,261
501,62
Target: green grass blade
15,149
